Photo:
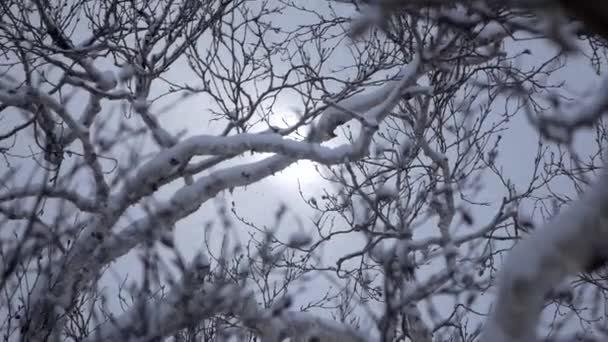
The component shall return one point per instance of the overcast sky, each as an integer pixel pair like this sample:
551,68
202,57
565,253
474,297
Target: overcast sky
259,202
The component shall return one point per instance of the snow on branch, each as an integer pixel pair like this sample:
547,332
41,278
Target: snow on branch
184,202
159,318
179,309
192,300
302,326
97,248
573,241
562,122
191,197
364,102
26,96
81,202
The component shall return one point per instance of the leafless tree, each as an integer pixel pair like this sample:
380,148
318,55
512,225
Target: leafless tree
407,109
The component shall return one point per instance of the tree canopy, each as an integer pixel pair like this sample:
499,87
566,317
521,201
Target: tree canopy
456,148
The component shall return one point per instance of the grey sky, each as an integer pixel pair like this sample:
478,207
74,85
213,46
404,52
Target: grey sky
260,201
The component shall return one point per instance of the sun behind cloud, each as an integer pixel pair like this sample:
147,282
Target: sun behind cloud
303,171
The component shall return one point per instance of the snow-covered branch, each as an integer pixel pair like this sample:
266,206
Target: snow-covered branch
191,197
108,104
96,249
575,240
33,190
